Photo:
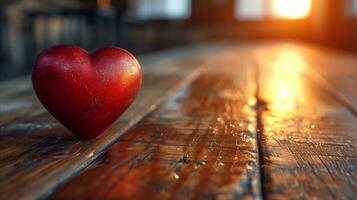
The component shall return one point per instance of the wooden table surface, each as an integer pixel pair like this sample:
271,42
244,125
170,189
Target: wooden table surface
268,120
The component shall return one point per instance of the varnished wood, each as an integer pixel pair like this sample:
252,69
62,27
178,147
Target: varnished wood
296,105
308,134
334,71
37,153
201,144
339,71
303,123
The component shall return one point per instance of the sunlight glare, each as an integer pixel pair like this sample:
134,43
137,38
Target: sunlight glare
291,9
286,83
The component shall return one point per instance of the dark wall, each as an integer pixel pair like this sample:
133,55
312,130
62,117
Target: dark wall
28,26
328,24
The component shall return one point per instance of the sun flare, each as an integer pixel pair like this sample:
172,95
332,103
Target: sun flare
286,84
292,9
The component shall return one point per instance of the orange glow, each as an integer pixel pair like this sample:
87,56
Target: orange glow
286,85
291,9
104,3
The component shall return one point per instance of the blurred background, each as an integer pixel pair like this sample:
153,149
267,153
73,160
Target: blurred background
143,26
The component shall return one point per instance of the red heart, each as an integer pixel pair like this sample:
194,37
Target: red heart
86,92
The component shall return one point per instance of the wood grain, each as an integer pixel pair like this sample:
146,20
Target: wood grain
266,120
339,71
332,70
200,144
309,136
37,153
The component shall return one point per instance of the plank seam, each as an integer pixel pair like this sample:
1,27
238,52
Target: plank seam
189,79
260,105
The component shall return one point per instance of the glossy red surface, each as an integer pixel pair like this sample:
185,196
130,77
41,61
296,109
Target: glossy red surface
86,92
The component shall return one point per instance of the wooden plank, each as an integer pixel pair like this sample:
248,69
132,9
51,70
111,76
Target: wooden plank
308,146
200,144
308,135
37,153
339,70
335,71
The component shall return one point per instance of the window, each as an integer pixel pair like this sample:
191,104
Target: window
277,9
250,9
160,9
354,8
351,8
291,9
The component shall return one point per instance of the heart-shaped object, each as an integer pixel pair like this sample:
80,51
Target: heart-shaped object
86,92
